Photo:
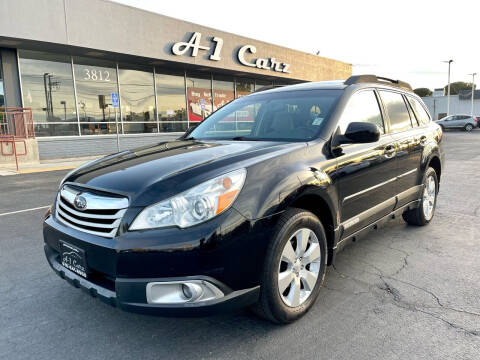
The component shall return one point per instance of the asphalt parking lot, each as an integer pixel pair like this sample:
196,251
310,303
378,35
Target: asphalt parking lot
403,292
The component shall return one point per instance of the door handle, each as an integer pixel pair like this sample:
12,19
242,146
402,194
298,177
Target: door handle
390,151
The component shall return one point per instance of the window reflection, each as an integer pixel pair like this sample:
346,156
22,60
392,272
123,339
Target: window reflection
420,112
396,110
96,81
99,128
199,95
223,91
138,99
2,94
67,129
48,89
171,102
362,107
244,87
260,84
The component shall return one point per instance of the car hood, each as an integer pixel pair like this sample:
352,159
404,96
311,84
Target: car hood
132,172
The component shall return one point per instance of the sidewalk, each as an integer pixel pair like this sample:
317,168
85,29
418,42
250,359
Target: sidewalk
46,165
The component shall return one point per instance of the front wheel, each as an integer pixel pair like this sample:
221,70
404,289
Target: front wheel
424,213
468,127
294,268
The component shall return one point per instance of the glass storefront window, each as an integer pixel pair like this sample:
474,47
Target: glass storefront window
99,128
47,85
171,101
260,84
96,81
199,96
48,88
2,93
56,129
137,99
223,91
244,86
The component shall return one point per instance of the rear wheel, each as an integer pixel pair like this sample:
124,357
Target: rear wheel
424,213
294,268
468,127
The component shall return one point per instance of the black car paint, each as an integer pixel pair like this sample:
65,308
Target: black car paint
231,247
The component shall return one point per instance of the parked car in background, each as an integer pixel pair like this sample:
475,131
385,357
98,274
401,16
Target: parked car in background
466,122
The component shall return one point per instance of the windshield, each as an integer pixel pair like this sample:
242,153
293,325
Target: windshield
280,116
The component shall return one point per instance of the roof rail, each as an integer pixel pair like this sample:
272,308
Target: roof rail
358,79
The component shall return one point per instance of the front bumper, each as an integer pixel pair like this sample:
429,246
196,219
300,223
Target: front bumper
130,294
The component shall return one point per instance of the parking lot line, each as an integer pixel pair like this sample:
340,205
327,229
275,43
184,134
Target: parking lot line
21,211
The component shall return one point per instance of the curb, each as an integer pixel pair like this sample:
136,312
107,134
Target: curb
8,172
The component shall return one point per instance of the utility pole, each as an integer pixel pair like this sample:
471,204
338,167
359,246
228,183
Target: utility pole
448,91
64,103
473,91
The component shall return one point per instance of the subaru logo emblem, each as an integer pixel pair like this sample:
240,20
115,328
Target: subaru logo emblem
80,202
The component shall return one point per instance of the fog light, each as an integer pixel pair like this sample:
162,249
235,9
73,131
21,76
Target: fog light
186,291
178,292
192,291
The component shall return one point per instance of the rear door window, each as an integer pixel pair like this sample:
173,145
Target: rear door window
420,112
397,111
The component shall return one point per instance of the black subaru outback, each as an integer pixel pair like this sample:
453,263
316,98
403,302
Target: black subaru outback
248,208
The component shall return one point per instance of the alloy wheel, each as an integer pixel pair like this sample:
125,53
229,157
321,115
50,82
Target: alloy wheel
429,193
299,267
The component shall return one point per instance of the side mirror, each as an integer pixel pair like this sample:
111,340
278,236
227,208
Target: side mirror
360,132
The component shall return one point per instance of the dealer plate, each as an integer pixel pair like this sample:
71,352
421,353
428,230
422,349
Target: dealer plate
73,259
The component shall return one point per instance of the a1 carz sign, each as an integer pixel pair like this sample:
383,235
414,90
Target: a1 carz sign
194,44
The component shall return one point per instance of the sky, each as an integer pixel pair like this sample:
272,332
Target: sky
400,39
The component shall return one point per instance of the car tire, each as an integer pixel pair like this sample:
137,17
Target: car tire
283,267
468,127
423,214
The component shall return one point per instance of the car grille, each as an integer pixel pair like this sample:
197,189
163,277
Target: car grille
97,214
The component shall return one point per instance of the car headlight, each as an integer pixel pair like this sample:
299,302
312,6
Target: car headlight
193,206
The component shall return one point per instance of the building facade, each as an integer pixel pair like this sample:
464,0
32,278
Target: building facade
91,68
459,104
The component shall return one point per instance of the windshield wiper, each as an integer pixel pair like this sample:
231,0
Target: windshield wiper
190,138
241,138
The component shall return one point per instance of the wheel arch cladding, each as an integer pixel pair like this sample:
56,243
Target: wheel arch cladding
436,165
320,208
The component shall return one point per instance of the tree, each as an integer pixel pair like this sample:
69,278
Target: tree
423,92
455,87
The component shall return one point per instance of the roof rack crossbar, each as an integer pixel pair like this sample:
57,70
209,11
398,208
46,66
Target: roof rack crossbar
358,79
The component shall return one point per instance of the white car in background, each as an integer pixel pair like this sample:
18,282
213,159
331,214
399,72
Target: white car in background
465,122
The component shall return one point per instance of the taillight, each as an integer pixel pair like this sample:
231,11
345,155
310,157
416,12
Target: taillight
475,119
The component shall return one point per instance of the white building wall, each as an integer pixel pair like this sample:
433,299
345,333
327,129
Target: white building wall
438,105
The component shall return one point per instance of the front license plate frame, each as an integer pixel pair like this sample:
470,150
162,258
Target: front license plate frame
73,259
